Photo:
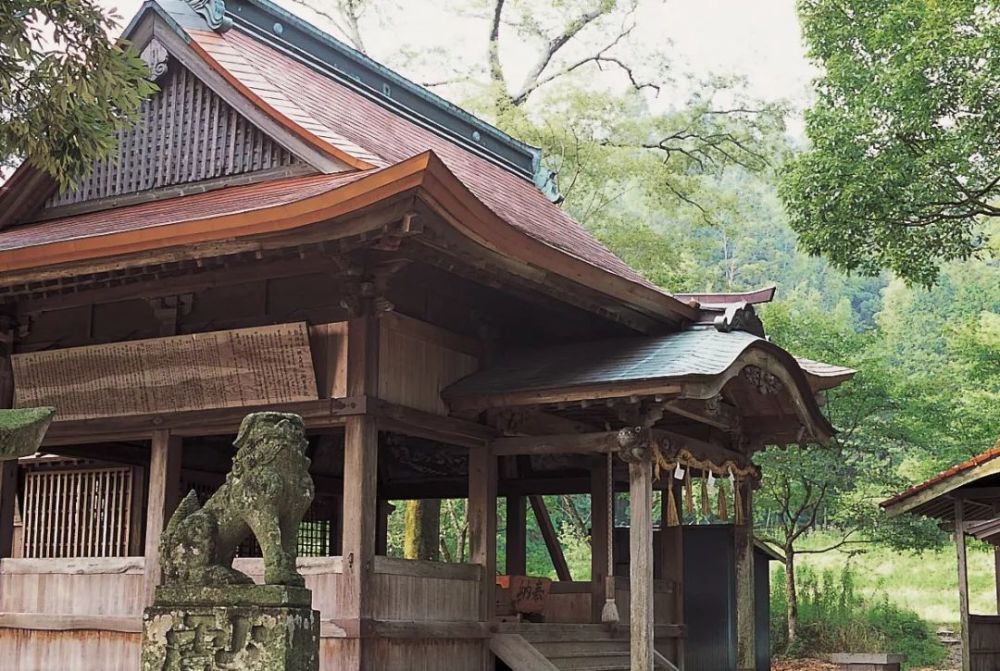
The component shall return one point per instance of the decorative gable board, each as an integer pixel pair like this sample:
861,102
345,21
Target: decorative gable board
186,133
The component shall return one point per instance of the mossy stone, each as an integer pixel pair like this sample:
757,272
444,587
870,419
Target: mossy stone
218,638
22,431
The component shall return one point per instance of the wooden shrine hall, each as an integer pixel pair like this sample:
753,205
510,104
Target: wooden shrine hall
965,499
292,226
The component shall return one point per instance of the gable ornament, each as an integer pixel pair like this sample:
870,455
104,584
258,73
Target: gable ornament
214,13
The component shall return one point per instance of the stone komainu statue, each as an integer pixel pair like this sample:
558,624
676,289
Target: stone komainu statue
266,493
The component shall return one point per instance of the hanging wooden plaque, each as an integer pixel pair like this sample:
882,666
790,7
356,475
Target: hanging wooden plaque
222,369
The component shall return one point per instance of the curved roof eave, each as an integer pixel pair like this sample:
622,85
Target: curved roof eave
425,171
696,363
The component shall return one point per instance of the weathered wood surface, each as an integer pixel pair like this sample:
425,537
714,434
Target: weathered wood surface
963,585
77,650
984,642
418,360
239,368
328,343
166,452
641,564
8,469
101,587
519,654
746,655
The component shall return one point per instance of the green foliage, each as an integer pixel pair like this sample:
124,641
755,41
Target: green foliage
904,132
65,88
835,618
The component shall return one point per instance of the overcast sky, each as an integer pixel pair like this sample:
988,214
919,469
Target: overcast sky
758,39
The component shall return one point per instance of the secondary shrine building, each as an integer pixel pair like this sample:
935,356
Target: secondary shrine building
292,226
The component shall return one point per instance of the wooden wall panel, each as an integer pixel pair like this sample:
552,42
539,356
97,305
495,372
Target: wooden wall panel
79,650
418,360
397,597
339,654
72,587
328,343
433,655
984,633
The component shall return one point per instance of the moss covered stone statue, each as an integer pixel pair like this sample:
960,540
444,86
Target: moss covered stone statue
206,614
22,430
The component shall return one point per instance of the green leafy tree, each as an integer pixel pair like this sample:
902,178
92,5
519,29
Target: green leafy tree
65,87
836,486
905,134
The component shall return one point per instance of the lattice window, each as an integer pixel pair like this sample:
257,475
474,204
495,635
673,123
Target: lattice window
78,513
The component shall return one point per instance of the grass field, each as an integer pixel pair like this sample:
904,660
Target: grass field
926,583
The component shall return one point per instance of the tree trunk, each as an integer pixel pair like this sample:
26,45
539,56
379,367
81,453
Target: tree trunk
422,530
791,594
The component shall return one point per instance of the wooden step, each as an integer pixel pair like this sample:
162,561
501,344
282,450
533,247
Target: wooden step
580,648
616,663
519,654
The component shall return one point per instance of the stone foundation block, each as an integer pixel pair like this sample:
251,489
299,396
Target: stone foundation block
183,631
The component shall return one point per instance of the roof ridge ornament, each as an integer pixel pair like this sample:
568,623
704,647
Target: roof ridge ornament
740,317
214,13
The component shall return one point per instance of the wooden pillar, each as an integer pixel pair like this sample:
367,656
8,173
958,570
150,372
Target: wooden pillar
996,574
482,513
746,654
360,513
640,475
517,534
164,484
600,514
359,507
671,569
963,583
8,469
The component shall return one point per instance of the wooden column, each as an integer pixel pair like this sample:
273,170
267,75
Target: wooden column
164,484
963,583
996,574
599,518
8,469
517,534
640,475
746,654
671,568
359,507
482,514
360,513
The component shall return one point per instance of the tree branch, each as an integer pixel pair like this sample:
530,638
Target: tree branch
493,48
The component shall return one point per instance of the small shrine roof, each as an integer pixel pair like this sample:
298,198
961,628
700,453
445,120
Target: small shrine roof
976,481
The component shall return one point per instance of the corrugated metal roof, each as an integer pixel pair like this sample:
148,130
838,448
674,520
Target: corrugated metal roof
695,352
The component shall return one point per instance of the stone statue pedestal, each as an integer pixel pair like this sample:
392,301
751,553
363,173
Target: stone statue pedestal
247,627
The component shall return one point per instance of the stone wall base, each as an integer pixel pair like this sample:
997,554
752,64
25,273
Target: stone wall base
178,637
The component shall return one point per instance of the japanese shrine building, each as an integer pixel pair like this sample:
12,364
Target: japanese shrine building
292,226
